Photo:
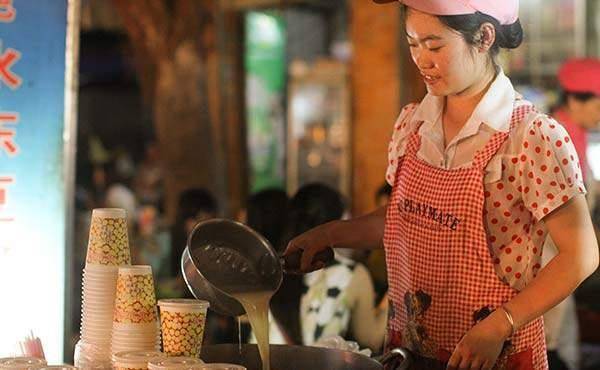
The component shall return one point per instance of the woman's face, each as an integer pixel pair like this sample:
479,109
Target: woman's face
586,113
448,65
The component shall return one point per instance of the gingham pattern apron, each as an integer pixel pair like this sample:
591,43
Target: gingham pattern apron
441,274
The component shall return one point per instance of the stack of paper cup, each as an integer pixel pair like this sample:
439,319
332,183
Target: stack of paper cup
135,320
135,360
182,322
174,363
108,248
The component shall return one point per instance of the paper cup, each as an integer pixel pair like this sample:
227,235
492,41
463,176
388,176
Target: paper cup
133,360
135,337
99,315
58,367
182,324
108,242
174,363
21,363
135,299
138,344
100,270
136,328
132,348
220,367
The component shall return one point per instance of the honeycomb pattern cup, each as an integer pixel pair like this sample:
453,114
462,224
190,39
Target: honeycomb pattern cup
135,299
135,325
182,324
108,239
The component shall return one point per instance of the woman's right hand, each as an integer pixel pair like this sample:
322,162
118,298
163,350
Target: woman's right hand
309,244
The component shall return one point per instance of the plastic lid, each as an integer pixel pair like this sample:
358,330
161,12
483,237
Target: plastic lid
136,357
222,367
22,363
174,363
183,303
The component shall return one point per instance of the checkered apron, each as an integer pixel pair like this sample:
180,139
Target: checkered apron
441,274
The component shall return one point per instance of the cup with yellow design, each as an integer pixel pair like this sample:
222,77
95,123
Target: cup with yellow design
135,317
108,248
134,360
182,326
108,242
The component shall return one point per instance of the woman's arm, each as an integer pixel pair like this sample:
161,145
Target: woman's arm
571,229
365,232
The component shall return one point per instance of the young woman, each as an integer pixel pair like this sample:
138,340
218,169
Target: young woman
479,180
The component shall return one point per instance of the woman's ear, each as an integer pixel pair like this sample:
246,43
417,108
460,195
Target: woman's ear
486,37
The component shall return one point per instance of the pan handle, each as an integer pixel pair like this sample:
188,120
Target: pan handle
396,353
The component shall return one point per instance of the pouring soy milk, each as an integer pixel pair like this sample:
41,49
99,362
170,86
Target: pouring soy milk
227,263
237,271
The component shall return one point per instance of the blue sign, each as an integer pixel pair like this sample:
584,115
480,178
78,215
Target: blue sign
33,189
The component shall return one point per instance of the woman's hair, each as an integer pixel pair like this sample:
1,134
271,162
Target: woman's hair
313,205
579,96
191,202
384,190
267,213
468,25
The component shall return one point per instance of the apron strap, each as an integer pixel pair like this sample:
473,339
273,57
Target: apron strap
414,142
483,156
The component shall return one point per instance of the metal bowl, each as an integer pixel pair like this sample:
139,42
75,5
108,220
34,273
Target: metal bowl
225,257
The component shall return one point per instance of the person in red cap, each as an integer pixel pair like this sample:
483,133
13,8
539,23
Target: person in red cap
579,109
479,179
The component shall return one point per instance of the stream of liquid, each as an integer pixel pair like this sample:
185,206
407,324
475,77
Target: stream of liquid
256,305
240,335
249,283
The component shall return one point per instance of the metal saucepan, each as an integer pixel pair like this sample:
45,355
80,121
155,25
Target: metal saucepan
224,257
301,358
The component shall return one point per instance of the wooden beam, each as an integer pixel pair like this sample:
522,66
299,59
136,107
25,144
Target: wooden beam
257,4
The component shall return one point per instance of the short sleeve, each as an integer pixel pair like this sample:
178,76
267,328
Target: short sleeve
402,129
548,167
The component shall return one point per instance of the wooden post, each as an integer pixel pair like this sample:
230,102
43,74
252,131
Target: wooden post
375,35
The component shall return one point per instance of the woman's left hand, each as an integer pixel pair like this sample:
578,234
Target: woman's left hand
481,346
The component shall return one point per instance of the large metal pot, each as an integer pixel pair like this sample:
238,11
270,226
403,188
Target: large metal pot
301,358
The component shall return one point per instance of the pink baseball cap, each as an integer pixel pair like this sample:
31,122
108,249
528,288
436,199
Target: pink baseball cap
580,75
505,11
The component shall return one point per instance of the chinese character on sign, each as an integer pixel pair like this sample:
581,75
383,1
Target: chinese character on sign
7,11
7,59
7,143
4,182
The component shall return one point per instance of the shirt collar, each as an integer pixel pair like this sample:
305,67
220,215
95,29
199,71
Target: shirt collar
494,109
